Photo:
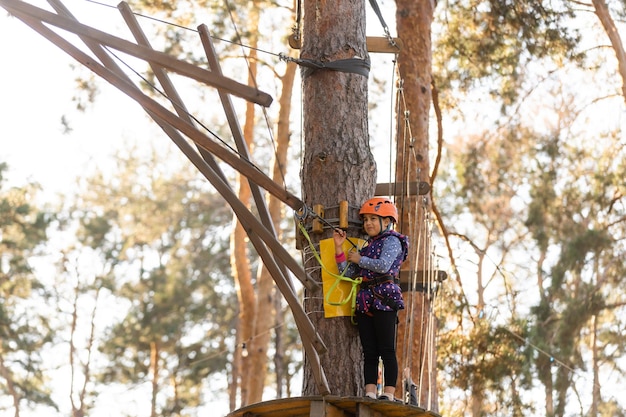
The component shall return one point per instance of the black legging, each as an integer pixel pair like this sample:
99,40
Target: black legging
378,338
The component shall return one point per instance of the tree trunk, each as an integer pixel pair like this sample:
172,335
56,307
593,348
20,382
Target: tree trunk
283,137
8,379
245,295
254,382
154,374
338,165
596,394
602,11
478,396
240,264
413,21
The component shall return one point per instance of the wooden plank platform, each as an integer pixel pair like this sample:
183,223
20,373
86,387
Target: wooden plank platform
330,406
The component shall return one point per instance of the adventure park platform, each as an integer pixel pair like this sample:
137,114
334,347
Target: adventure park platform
330,406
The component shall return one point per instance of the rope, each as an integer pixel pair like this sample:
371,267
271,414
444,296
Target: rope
350,65
423,257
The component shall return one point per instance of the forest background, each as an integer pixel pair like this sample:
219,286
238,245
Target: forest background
112,245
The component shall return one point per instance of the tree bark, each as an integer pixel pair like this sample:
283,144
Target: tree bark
338,165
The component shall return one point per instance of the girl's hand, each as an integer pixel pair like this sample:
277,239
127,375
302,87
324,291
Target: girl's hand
339,236
354,256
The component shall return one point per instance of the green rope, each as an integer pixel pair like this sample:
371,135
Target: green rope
338,279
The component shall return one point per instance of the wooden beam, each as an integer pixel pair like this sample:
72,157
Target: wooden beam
374,44
180,108
351,406
424,281
228,156
306,329
364,410
321,408
316,369
20,8
399,189
311,339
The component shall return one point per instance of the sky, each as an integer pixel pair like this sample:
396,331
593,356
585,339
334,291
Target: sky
37,85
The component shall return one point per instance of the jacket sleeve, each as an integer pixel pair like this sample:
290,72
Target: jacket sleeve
390,251
352,271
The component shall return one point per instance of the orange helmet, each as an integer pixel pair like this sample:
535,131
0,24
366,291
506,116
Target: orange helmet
380,206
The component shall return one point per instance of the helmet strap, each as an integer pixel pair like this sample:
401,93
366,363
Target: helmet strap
386,229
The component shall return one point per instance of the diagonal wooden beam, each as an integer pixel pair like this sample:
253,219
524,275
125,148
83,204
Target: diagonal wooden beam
225,154
304,324
165,115
313,344
233,123
217,179
179,106
164,80
254,95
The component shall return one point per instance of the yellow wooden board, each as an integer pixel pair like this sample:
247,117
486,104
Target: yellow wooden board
336,294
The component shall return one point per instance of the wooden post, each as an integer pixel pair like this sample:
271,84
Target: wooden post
343,215
364,410
324,409
317,226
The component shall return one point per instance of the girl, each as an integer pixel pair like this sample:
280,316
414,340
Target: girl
379,297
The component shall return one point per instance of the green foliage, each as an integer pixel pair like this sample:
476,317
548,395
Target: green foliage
558,250
24,331
489,359
495,40
163,234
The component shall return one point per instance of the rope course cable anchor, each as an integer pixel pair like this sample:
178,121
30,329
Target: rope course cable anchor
356,65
